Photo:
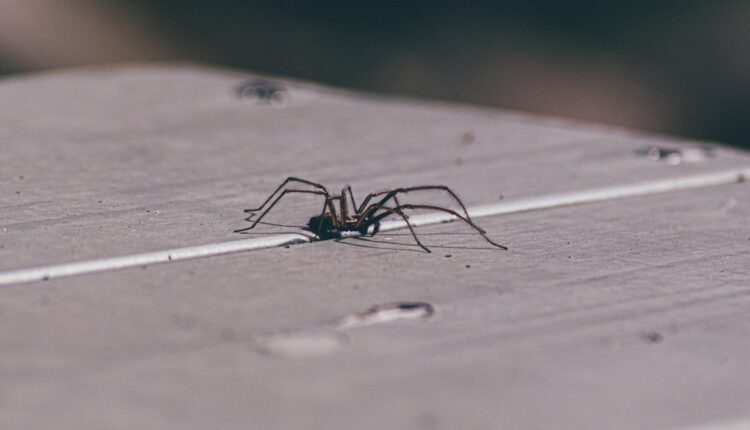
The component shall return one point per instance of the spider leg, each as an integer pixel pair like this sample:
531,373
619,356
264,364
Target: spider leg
367,218
397,211
351,196
456,214
395,200
370,197
332,209
283,193
286,181
389,194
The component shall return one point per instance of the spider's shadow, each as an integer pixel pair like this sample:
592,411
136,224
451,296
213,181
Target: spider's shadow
402,246
295,227
349,241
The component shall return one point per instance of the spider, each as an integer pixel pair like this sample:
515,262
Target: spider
331,223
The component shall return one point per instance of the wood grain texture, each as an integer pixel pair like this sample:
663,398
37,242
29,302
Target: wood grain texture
629,314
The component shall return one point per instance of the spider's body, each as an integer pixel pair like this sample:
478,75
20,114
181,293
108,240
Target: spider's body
332,221
326,229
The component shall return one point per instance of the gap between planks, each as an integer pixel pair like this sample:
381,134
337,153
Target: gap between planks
44,273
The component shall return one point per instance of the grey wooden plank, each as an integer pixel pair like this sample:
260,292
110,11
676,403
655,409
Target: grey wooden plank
123,160
624,316
627,314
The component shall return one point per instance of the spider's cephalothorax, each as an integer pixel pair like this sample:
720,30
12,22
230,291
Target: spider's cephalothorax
333,221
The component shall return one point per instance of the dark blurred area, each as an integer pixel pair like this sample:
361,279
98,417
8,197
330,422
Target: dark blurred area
676,66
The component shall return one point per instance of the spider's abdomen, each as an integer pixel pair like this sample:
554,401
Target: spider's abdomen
327,227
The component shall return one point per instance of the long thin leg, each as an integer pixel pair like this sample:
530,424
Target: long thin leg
351,196
366,218
286,181
389,194
332,209
283,193
398,204
452,212
370,197
397,211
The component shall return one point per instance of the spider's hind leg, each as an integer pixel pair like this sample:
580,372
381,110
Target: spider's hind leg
366,222
459,216
391,194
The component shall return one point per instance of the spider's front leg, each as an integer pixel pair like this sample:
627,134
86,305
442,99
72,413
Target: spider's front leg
286,181
348,189
283,193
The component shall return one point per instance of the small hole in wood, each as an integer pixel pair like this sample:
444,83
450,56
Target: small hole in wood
389,312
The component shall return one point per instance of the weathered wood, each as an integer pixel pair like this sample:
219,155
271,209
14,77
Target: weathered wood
624,314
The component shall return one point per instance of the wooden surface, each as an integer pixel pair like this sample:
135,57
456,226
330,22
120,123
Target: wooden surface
625,314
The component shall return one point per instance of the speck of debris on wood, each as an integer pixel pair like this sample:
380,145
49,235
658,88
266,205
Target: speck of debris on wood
468,266
448,256
287,246
468,138
652,337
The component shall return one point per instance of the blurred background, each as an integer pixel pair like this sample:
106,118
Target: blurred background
673,66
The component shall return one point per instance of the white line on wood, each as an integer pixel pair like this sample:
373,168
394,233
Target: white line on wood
502,208
729,425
